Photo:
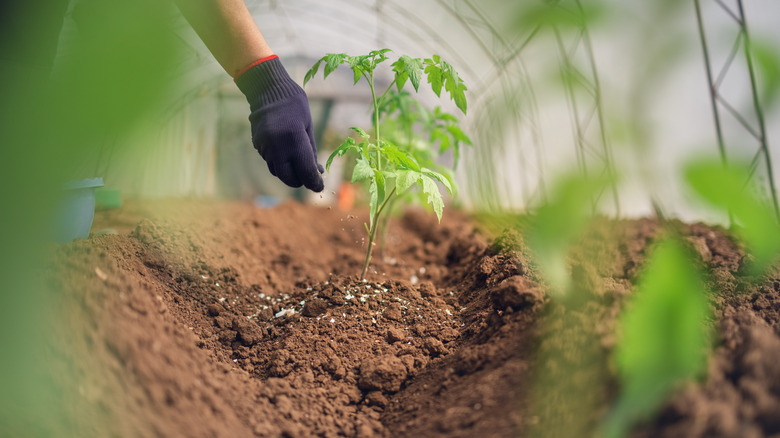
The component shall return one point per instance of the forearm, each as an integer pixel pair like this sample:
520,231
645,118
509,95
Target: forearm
228,30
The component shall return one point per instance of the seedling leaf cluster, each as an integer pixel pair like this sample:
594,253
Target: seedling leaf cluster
387,168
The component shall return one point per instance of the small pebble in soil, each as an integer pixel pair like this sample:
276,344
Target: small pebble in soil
101,275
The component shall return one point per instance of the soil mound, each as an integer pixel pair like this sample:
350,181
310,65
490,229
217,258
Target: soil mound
222,319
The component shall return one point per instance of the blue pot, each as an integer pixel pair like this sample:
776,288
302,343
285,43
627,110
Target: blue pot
76,210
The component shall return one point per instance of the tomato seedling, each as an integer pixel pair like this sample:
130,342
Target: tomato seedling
389,169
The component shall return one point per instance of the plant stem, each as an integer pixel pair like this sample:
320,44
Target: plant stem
372,234
382,239
376,120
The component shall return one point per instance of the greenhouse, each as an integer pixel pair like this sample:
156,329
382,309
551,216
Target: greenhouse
442,218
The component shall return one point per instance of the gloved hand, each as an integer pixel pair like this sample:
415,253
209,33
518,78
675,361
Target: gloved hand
281,124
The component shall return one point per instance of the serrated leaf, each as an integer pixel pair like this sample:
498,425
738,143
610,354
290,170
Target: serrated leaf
333,60
430,188
312,71
434,78
408,67
438,177
360,131
457,91
400,80
399,157
405,179
362,170
348,143
355,60
356,64
460,98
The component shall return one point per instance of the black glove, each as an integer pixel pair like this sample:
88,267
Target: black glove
281,124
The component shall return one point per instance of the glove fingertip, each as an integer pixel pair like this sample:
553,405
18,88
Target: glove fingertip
316,186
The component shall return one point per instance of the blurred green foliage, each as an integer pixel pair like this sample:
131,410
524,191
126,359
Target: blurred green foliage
558,224
560,14
767,60
664,338
730,189
50,121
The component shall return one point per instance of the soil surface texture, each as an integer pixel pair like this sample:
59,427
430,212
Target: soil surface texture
221,319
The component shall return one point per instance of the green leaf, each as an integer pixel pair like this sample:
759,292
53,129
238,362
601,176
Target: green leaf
405,179
362,170
348,143
441,178
434,78
356,60
727,189
333,60
376,57
360,131
460,98
376,191
312,71
359,65
400,80
458,134
457,91
399,157
664,336
434,197
408,67
380,184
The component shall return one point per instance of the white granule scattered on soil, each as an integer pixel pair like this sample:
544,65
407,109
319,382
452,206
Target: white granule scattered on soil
283,312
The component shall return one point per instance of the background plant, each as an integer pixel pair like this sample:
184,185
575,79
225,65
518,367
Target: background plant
729,188
388,169
427,134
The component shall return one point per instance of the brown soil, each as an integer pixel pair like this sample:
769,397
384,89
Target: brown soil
221,319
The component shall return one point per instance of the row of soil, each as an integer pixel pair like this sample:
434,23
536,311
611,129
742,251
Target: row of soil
223,319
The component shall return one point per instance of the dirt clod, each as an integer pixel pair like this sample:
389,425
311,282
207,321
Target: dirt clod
385,373
516,292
